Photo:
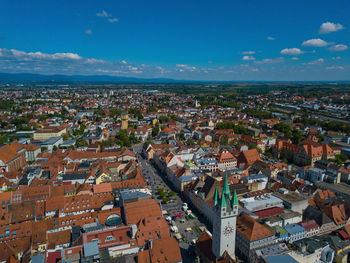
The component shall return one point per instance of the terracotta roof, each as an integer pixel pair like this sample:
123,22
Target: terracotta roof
204,244
103,188
165,250
250,229
58,238
249,157
10,151
269,212
151,228
136,211
225,156
337,213
31,147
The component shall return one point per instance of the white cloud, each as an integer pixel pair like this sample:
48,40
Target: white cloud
103,13
316,42
271,38
291,51
328,27
335,68
108,16
88,32
336,58
12,60
294,58
113,20
248,52
254,70
94,61
184,67
339,47
269,61
318,61
248,58
39,55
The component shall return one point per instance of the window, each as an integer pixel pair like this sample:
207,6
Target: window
109,238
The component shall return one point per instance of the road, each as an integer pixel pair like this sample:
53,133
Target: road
173,207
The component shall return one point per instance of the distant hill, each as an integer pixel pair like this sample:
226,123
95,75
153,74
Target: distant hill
39,78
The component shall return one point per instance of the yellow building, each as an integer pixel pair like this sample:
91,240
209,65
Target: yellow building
154,122
48,132
125,120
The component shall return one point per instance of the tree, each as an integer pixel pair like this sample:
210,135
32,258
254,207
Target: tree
152,109
136,112
173,117
54,148
165,200
155,130
163,119
114,113
43,149
65,137
224,140
81,143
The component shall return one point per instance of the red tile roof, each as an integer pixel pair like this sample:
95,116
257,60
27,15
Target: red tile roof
269,212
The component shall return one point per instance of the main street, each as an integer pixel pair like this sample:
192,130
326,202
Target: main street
173,207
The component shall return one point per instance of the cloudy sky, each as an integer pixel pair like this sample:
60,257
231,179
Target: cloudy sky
183,39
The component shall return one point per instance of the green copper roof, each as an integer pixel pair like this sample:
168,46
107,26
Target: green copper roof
226,188
216,196
235,199
223,200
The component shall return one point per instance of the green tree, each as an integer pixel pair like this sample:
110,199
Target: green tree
81,143
152,109
155,130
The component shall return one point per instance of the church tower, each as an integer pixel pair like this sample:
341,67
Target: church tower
225,210
125,119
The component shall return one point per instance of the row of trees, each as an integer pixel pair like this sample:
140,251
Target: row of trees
327,125
288,132
239,129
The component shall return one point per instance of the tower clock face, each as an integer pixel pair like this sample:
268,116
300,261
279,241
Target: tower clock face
228,230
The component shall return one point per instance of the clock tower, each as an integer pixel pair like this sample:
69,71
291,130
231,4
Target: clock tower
225,210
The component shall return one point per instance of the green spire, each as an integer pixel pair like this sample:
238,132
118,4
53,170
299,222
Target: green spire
235,199
216,196
223,200
226,188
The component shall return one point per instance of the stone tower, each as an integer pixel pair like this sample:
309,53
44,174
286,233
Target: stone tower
225,210
125,119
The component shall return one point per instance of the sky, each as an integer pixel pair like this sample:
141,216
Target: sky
221,40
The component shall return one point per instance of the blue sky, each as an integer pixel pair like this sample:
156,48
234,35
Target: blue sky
194,39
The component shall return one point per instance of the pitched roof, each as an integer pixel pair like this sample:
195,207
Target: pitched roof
10,151
249,156
136,211
251,229
165,250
